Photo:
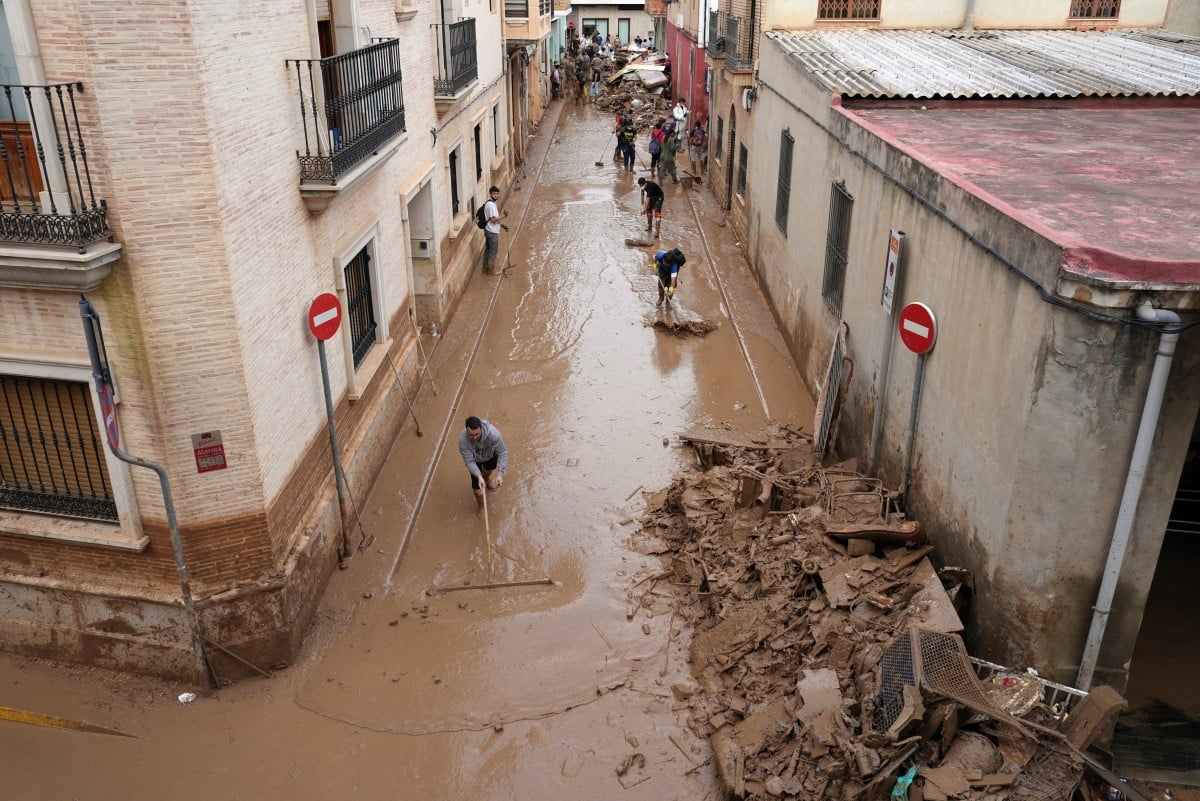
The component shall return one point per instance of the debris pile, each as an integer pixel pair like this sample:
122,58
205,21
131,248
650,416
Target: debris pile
826,646
636,89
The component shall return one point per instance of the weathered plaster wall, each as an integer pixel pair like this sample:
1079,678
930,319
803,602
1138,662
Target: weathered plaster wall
1028,411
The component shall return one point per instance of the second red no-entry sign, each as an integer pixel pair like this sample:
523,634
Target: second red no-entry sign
918,328
324,316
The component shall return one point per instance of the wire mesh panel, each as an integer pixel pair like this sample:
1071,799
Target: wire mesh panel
1095,9
848,9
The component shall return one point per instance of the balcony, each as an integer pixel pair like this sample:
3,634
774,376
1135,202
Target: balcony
458,63
352,114
526,21
730,38
54,231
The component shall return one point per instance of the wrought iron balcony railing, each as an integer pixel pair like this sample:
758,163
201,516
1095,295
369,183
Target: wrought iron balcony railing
734,39
457,56
350,106
46,191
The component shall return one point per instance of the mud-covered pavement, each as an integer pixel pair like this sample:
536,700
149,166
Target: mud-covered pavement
529,692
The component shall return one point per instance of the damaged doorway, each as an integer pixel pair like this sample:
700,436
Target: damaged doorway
1158,738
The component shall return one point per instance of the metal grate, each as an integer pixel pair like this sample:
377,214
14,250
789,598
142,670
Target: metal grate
848,9
1095,9
837,246
51,457
743,157
456,57
935,662
784,190
360,305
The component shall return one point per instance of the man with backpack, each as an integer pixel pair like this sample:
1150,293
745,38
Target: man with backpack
652,206
489,217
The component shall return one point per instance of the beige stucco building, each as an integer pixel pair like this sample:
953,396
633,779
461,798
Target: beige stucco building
1044,183
218,170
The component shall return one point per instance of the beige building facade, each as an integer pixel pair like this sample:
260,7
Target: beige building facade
224,170
1030,408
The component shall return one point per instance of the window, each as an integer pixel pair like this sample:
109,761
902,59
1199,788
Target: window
496,128
784,190
848,9
837,245
1095,9
720,145
741,174
454,202
360,305
479,152
51,457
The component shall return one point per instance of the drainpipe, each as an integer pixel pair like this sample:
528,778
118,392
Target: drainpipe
1133,489
969,20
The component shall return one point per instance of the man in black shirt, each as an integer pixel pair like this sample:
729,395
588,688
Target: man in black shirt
652,204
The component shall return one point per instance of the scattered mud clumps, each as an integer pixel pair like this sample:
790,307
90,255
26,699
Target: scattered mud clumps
686,327
826,647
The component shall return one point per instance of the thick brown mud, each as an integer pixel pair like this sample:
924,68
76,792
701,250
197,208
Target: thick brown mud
537,692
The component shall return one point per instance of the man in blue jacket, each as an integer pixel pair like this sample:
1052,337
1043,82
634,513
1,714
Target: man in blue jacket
667,264
485,454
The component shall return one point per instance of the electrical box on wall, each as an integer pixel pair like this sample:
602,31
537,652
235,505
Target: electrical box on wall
422,248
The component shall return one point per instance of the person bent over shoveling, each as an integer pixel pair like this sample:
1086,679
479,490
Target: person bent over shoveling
652,206
667,264
483,450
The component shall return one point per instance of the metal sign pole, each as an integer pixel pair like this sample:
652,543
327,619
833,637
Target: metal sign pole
103,378
890,280
333,443
912,424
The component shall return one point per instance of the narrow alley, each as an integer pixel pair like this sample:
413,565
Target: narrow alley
529,691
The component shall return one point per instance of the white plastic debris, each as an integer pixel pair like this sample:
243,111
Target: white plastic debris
187,698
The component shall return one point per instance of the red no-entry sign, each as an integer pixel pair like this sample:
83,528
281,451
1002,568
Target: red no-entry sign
324,316
918,328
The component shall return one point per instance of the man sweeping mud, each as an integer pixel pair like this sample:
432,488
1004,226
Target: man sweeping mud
483,450
667,264
652,205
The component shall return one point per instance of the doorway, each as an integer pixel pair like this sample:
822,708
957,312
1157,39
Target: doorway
1158,737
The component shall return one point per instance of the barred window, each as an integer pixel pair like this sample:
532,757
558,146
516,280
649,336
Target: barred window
837,246
360,305
454,200
51,455
848,9
784,191
1095,9
741,175
479,152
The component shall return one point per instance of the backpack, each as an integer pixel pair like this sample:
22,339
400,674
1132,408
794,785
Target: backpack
481,219
655,145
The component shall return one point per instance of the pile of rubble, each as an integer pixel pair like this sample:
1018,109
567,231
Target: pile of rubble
826,649
636,89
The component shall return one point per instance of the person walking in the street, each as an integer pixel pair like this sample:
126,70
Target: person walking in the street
696,141
556,82
667,264
652,204
628,140
581,82
491,231
485,455
666,159
656,140
680,113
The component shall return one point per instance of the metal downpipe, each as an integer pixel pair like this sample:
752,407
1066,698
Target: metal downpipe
1134,480
969,19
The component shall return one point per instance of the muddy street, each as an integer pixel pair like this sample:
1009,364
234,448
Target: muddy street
536,692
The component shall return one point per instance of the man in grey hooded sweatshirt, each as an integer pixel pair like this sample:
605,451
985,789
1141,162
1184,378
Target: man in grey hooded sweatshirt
485,454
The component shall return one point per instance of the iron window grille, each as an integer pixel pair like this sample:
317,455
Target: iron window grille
784,191
51,457
46,191
719,149
363,108
479,152
1095,9
848,9
743,155
360,305
837,247
457,55
454,199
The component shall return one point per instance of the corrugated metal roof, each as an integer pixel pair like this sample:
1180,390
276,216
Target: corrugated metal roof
997,63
